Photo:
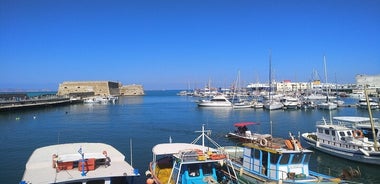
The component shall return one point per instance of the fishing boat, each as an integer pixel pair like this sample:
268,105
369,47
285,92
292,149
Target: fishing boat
342,141
275,160
243,134
78,163
190,163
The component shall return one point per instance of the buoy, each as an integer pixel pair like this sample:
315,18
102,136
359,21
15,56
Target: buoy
358,134
263,142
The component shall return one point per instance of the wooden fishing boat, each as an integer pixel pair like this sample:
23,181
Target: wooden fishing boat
185,163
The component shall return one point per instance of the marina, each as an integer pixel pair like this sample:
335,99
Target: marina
141,122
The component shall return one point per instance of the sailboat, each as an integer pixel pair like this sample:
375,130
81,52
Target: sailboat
237,101
272,104
328,105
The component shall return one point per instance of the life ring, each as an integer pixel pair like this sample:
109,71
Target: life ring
105,153
263,142
358,134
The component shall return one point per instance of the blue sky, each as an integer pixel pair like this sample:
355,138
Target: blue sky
171,44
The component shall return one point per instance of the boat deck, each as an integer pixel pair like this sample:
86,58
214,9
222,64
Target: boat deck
41,166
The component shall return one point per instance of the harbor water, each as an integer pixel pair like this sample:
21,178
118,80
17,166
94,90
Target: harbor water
135,124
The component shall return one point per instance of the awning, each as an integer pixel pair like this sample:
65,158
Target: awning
241,124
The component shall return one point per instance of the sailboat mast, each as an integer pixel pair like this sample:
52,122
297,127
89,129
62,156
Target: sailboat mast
270,73
375,146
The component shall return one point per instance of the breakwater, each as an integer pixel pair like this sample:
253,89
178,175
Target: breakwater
7,105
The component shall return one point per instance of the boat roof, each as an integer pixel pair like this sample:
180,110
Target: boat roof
242,124
353,119
39,168
173,148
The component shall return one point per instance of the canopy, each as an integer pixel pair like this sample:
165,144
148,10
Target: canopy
241,124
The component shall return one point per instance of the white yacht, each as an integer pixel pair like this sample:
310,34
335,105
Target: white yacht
344,142
327,105
216,101
291,102
364,105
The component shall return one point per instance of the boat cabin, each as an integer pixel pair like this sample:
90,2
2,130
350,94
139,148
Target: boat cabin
189,165
276,165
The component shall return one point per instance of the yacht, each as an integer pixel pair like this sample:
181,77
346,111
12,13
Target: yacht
216,101
364,105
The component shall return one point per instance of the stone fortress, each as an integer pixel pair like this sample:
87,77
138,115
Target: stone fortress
98,88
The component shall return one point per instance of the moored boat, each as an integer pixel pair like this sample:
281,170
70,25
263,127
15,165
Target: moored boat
78,163
275,160
187,163
216,101
243,134
342,141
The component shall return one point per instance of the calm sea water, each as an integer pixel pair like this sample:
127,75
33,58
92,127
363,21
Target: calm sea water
142,122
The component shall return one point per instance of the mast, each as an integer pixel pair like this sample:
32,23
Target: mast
375,146
270,74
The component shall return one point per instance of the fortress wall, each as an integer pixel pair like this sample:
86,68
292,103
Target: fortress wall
98,88
132,90
101,88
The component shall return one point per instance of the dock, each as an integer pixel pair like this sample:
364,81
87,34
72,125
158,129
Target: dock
9,105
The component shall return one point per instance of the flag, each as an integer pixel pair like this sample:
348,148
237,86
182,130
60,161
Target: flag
80,150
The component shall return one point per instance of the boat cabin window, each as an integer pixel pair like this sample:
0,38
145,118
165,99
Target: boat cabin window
320,130
193,170
307,158
349,133
256,153
297,159
327,132
207,169
342,134
274,158
285,159
333,133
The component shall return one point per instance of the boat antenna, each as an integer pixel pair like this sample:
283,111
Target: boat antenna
371,119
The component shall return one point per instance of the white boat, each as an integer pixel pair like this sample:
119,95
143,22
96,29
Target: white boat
273,105
100,99
216,101
364,105
275,160
177,163
78,163
327,105
243,134
344,142
291,102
